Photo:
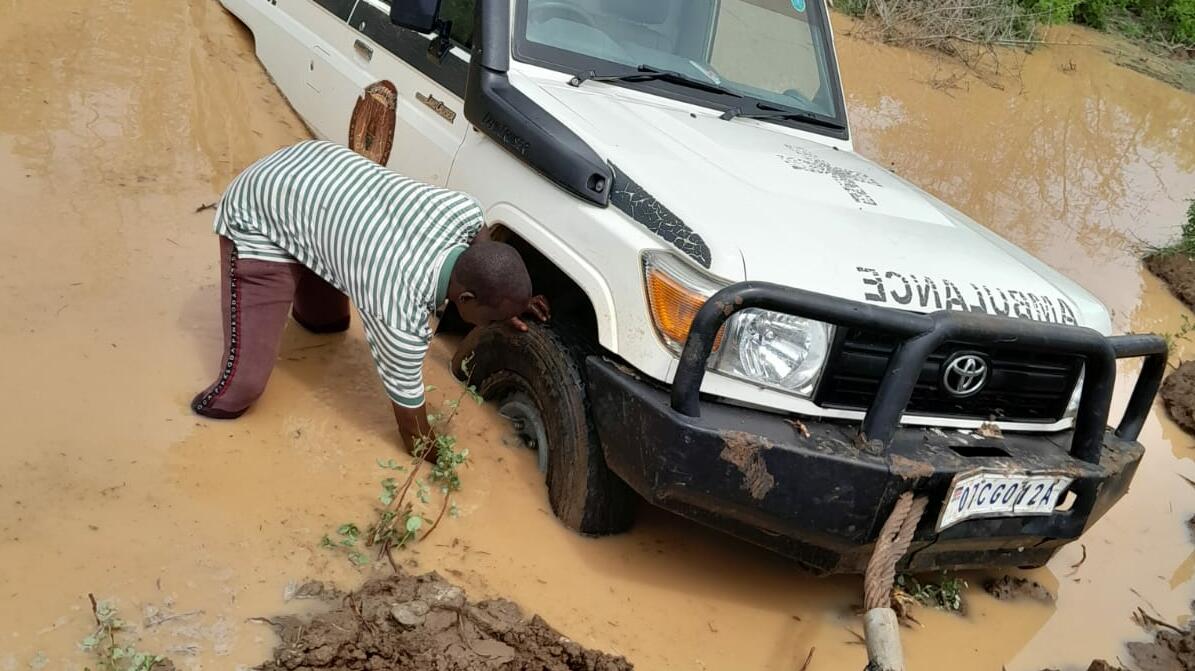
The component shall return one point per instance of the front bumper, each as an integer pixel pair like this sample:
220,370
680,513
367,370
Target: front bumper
821,500
819,492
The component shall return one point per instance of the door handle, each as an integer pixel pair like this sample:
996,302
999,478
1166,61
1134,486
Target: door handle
363,50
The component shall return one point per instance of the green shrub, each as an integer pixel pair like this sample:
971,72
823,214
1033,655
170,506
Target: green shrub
1051,11
1189,227
1171,20
1097,13
1166,20
1179,16
852,7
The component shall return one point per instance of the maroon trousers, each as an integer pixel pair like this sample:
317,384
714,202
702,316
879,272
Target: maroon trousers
256,297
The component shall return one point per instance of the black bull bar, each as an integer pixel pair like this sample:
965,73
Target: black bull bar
920,335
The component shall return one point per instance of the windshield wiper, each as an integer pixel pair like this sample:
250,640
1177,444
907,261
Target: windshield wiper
646,73
769,112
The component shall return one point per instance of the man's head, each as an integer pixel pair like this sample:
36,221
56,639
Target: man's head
489,283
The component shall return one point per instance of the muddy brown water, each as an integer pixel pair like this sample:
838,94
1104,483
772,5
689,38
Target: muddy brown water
118,118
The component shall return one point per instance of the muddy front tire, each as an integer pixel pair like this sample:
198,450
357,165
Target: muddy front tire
537,377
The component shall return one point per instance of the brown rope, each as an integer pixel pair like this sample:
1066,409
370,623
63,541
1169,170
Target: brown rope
893,543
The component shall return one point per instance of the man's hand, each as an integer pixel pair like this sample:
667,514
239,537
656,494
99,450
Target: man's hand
538,308
415,430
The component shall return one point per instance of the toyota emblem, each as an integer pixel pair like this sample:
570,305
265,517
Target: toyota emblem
964,374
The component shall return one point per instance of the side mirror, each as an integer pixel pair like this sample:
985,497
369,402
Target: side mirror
419,15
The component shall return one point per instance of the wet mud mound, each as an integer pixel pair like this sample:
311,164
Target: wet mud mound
425,623
1178,271
1172,649
1178,394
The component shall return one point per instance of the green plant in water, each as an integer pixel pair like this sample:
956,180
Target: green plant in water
946,594
1183,334
110,654
397,523
348,535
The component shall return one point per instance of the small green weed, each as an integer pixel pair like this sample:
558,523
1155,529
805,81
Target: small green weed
347,536
1183,334
111,655
400,521
946,594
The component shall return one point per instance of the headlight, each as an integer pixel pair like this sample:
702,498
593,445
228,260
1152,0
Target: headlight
776,350
760,346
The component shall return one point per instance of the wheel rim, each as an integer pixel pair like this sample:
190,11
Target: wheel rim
524,416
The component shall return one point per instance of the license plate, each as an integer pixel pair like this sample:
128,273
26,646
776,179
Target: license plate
992,494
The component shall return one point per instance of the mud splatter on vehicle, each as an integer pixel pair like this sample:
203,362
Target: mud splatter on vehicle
743,450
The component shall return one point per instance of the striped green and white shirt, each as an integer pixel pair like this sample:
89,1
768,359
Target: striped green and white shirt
375,235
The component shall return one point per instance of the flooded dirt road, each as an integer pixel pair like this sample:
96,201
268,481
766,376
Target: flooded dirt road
119,118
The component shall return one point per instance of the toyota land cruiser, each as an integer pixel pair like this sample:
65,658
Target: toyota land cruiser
754,327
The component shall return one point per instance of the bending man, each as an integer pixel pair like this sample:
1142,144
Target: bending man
318,225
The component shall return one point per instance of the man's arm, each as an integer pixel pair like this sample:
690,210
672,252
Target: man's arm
399,358
413,425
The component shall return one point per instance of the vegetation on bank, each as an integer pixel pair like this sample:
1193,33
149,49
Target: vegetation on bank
1185,244
1167,24
1174,264
1170,22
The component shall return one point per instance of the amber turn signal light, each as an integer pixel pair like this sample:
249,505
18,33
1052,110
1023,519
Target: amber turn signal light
674,303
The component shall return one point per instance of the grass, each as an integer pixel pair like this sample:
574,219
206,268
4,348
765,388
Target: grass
1185,244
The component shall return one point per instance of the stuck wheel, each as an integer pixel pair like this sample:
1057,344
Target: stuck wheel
537,381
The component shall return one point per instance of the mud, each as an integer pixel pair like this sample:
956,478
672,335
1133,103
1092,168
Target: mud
1172,649
1169,651
120,117
1097,665
908,468
1009,588
1178,271
743,450
1178,391
1174,69
408,622
1178,395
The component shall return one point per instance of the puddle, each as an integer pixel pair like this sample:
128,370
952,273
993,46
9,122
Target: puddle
120,118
